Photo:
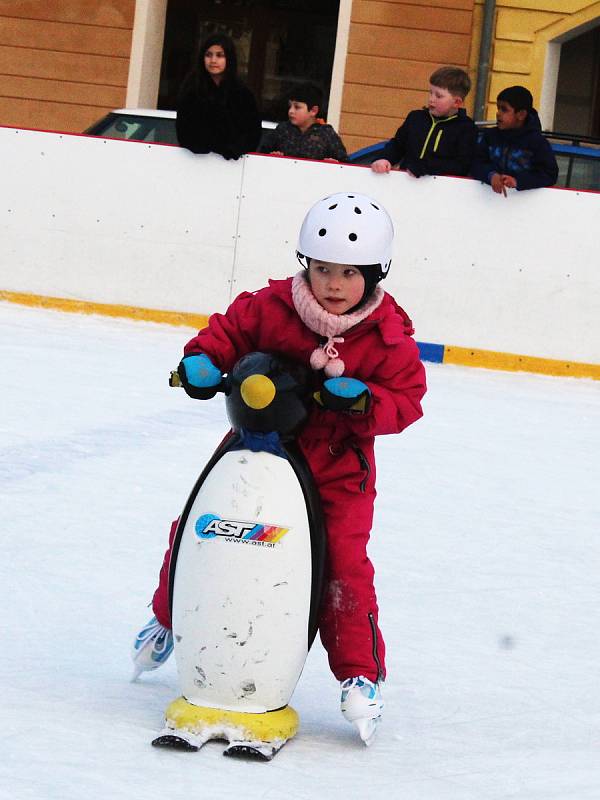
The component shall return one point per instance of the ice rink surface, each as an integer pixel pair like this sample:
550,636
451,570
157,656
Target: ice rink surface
486,546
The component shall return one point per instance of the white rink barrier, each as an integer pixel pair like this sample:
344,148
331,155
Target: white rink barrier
157,227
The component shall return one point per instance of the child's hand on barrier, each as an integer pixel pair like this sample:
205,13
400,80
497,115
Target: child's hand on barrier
497,183
199,376
500,183
381,165
344,394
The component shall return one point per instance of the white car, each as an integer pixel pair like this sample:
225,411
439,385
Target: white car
142,125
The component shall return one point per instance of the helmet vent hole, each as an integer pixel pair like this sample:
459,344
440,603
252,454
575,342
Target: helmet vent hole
374,206
351,196
322,232
357,210
353,237
333,206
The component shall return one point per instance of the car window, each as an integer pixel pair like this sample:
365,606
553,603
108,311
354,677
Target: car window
161,130
132,126
143,128
121,128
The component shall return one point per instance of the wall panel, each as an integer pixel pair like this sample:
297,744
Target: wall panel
60,66
114,13
373,126
134,225
65,37
26,113
425,17
441,4
402,43
382,71
382,101
63,64
84,94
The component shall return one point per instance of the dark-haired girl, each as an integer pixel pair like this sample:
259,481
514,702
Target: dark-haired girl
216,113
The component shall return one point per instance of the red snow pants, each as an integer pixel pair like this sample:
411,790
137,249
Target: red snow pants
348,625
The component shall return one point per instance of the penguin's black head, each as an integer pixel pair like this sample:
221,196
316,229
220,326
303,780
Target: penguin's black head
268,392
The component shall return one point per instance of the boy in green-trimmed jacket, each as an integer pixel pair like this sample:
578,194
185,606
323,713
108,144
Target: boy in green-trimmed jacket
438,139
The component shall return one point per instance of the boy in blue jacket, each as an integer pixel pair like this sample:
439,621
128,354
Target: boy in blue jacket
515,154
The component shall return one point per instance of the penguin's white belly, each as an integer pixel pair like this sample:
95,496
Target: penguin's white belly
242,588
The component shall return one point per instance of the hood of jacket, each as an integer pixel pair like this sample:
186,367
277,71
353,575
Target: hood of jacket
531,125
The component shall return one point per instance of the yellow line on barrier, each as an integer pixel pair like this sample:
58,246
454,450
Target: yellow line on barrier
463,356
196,321
466,356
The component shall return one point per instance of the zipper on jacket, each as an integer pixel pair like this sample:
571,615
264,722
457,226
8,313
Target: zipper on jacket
375,654
437,140
364,463
435,122
428,137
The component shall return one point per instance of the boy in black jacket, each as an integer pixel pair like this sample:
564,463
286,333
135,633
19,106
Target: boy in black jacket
439,139
515,154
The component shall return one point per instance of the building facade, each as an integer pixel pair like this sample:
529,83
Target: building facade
64,63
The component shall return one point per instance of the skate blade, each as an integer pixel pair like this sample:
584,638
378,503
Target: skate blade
137,671
367,728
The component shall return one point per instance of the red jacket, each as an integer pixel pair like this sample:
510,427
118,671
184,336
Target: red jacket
338,448
379,351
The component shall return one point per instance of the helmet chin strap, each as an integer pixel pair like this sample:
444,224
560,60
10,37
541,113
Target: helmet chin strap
303,260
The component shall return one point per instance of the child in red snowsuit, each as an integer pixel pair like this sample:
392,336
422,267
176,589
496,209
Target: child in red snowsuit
334,316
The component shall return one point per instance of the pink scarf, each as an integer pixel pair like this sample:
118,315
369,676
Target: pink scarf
314,316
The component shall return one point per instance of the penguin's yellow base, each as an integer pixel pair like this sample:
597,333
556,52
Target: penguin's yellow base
216,723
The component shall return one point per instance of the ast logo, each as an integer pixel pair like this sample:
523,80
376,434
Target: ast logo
209,526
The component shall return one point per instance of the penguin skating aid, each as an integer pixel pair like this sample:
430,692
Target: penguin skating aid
246,571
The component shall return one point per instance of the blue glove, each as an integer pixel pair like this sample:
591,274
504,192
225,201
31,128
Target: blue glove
345,394
199,376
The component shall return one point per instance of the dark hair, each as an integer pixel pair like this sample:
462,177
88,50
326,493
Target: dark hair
453,79
517,97
308,93
199,78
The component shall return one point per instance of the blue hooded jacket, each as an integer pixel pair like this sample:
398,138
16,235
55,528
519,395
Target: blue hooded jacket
522,152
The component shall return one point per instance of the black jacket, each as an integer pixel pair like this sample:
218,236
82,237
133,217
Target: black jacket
523,153
224,120
319,141
428,145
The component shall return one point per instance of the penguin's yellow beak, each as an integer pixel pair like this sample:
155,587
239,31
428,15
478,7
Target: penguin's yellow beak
257,391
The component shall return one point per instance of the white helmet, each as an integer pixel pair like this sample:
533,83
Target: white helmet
347,228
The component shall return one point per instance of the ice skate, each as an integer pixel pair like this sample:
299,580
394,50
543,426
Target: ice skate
152,647
362,705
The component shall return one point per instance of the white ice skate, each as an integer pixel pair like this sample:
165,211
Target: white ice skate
362,705
152,647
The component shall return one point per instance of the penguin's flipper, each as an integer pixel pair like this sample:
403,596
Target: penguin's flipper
254,751
182,740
